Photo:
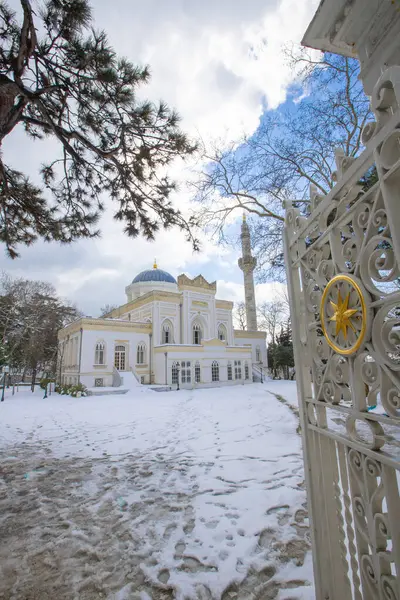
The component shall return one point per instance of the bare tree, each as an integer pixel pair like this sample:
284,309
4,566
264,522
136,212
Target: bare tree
239,315
291,150
107,308
271,317
30,316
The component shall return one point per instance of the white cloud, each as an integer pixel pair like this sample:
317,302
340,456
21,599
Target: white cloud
265,292
216,62
219,63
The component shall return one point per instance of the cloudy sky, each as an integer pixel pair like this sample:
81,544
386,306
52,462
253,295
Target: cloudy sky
220,64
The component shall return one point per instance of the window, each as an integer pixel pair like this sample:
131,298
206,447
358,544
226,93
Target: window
246,370
175,373
99,354
197,372
258,354
196,334
238,369
186,375
166,333
98,382
222,333
140,353
215,371
229,371
119,358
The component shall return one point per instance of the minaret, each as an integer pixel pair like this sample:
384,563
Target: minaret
248,263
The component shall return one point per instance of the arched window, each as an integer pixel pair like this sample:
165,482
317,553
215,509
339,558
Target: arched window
166,333
238,369
215,371
119,358
99,353
229,371
140,353
175,373
246,370
222,333
197,333
197,372
258,354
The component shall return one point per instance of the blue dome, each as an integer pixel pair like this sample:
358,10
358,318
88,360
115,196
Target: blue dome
154,275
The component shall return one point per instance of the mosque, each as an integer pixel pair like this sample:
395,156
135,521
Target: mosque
169,332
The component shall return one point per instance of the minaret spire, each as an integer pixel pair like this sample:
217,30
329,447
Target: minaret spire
247,264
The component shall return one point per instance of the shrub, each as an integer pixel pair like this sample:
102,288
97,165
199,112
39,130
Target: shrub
72,390
44,382
75,389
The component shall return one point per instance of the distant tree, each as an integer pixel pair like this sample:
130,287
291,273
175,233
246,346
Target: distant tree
107,308
60,79
291,150
280,352
239,315
271,315
31,315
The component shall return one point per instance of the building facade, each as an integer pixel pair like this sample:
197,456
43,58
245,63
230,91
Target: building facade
167,329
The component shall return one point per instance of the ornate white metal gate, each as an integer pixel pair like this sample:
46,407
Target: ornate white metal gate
343,272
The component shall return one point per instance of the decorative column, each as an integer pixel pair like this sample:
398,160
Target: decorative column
247,264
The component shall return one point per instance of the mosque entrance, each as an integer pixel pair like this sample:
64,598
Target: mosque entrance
119,358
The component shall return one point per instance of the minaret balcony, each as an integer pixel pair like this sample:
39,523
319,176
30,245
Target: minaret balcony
248,263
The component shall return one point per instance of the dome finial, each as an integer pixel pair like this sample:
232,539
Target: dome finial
155,264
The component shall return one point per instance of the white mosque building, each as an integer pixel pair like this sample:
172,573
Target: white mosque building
168,330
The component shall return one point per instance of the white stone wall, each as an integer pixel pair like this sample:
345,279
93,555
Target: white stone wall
135,290
89,371
254,342
164,360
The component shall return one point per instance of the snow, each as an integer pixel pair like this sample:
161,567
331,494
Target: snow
184,494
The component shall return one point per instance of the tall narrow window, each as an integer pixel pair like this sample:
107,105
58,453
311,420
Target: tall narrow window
238,369
246,370
229,369
197,334
119,358
186,375
197,372
258,354
175,373
215,371
140,353
166,333
222,333
99,354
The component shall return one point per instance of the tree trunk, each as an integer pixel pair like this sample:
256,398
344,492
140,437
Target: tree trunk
8,93
33,379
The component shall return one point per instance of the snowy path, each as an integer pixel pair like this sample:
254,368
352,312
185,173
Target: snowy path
189,494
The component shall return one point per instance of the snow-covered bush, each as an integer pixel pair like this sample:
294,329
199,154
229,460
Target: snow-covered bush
76,391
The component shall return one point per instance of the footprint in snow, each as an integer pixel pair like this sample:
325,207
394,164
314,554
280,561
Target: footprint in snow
164,576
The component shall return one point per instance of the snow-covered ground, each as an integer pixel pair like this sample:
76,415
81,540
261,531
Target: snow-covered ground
153,495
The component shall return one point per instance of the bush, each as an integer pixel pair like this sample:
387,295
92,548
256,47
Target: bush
72,390
45,382
75,389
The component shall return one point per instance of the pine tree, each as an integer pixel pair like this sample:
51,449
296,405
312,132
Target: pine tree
60,78
281,352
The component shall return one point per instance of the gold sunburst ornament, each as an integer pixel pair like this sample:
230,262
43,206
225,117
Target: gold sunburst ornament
343,314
